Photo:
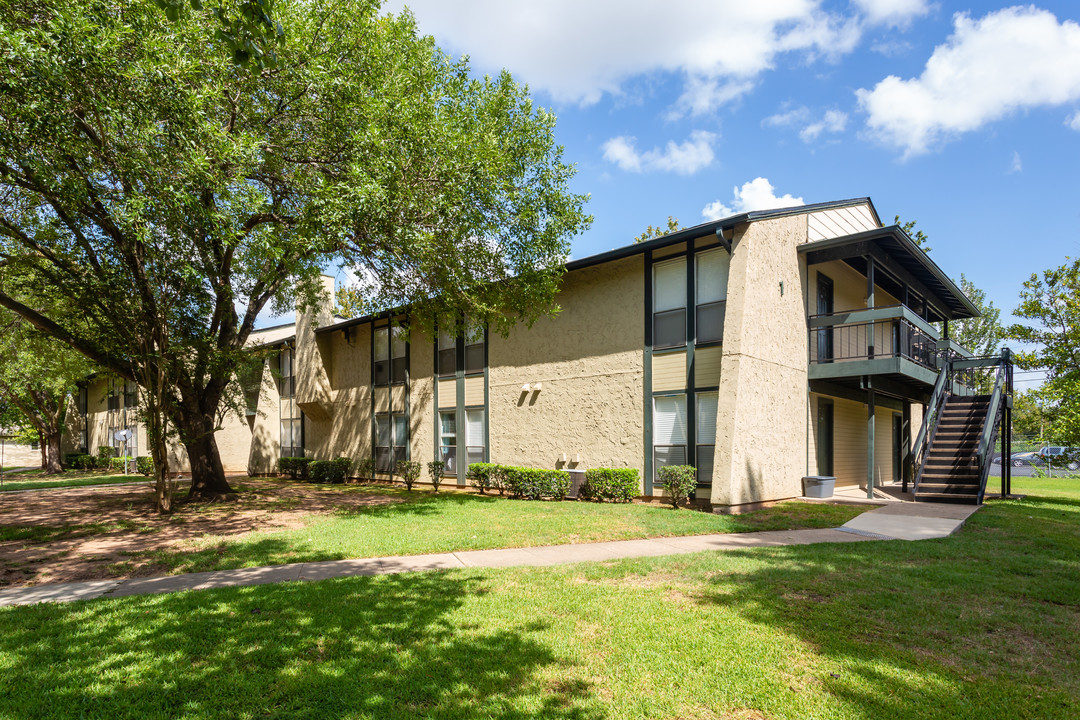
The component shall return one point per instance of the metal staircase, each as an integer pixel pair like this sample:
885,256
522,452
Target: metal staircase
954,448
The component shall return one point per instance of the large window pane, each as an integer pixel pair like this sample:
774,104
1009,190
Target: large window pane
669,328
706,417
474,435
398,362
401,430
382,356
667,455
448,440
669,285
447,353
669,420
711,276
474,358
705,465
710,322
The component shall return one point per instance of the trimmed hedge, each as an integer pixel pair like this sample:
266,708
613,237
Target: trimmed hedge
80,461
105,453
145,465
678,481
295,467
329,471
482,476
365,468
615,484
535,483
117,464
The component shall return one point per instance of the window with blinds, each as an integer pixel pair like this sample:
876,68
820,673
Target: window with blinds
448,440
474,435
398,359
669,303
705,428
391,440
447,353
669,431
710,294
474,348
381,368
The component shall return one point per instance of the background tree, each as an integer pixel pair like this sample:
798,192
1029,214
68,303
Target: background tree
1051,302
918,236
246,27
38,376
1028,417
167,196
655,232
981,335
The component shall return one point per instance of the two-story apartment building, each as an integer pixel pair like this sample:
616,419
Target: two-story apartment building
760,348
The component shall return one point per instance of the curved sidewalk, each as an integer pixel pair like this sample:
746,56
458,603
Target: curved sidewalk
897,521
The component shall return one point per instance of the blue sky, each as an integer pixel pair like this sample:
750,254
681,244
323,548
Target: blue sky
964,117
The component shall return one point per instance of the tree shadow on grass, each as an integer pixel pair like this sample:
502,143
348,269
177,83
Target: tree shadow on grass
387,647
975,625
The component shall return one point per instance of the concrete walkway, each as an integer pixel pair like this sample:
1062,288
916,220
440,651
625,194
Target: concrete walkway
906,521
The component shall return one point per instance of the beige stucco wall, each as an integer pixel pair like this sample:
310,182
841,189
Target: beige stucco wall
589,359
761,416
421,399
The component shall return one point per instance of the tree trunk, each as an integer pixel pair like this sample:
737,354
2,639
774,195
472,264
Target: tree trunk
52,454
207,474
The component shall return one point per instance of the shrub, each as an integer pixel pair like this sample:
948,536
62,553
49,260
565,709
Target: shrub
408,471
365,468
80,461
329,471
678,481
105,453
435,470
294,467
535,483
145,465
117,464
482,475
344,469
617,484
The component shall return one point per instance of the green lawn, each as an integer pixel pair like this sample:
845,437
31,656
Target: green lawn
427,523
70,478
982,624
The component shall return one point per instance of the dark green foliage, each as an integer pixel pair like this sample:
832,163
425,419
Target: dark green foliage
678,481
329,471
295,467
435,470
616,484
104,454
365,468
118,464
536,483
408,471
482,475
80,461
145,465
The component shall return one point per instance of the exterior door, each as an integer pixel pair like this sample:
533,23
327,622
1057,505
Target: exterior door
897,448
824,307
824,437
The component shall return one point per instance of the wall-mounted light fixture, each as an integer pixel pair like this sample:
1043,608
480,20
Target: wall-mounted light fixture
525,388
537,387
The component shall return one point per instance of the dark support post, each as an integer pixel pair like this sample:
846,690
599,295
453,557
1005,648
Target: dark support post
1006,441
945,329
870,304
907,467
871,402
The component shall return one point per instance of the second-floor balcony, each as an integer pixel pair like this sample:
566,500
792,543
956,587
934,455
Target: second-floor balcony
891,341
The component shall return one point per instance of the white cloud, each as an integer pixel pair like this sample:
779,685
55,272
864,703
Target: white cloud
897,13
1017,163
685,158
833,121
758,194
579,51
1073,121
1009,60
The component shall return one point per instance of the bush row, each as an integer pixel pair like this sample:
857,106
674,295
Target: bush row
615,484
528,483
329,471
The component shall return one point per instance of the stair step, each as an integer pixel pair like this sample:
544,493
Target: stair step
969,499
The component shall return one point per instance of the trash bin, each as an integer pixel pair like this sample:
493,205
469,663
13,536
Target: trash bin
577,479
818,486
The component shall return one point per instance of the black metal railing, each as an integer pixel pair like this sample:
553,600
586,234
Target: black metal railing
894,337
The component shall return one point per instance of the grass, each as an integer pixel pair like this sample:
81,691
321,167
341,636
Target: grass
978,625
424,522
66,479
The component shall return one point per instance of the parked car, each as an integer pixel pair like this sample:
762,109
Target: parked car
1018,459
1060,456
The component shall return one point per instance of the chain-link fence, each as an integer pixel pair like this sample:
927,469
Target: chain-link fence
1041,452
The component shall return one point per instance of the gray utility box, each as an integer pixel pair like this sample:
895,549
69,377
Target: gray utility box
818,486
577,479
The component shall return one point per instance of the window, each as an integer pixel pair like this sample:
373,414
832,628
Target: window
706,436
131,395
474,348
131,447
114,396
448,440
669,431
474,435
292,422
669,303
711,295
83,403
391,441
382,356
399,363
824,437
447,353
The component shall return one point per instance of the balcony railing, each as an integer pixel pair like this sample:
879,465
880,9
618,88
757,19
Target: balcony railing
881,332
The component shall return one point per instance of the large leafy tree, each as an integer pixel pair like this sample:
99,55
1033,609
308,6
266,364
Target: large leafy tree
38,376
1051,302
166,196
981,335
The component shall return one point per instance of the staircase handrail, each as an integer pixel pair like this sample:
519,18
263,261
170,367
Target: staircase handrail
929,423
990,428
